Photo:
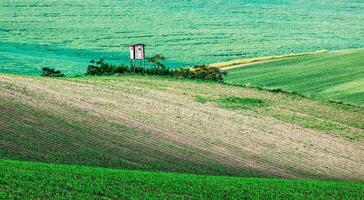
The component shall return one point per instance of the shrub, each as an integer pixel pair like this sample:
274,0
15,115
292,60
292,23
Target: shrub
208,73
101,68
202,72
51,72
156,60
182,72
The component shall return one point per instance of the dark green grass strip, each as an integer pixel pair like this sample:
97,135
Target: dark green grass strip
48,181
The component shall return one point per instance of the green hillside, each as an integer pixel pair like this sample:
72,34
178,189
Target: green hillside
21,180
161,124
67,34
337,75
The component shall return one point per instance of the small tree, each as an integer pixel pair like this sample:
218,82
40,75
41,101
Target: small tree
51,72
159,67
157,60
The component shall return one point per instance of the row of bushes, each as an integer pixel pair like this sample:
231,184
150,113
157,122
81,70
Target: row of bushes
97,68
203,72
100,67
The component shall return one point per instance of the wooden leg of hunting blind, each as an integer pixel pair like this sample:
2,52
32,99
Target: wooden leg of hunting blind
132,65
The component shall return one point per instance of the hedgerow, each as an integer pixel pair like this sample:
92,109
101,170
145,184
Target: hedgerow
201,72
101,68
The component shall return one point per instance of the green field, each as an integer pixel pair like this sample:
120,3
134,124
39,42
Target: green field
337,75
48,181
287,122
67,34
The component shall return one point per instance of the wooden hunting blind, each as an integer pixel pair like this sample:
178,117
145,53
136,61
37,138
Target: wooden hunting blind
137,53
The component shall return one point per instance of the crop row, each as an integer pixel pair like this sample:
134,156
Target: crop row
43,181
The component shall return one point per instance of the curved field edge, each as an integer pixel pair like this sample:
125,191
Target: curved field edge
160,124
227,65
44,181
335,76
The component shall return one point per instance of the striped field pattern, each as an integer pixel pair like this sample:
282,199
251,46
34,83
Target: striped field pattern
67,34
161,124
27,180
335,75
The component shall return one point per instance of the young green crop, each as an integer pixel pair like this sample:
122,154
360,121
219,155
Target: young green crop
335,76
49,181
67,34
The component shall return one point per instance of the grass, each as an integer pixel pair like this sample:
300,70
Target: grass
240,103
234,103
67,34
19,180
336,76
159,124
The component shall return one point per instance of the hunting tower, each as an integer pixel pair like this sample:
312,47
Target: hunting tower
137,53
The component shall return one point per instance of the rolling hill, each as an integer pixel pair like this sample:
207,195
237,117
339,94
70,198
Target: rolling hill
336,75
67,34
24,180
162,124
